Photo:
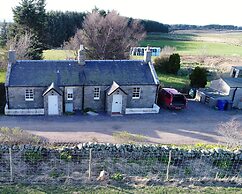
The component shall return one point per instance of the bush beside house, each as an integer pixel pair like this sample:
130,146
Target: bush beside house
170,65
198,78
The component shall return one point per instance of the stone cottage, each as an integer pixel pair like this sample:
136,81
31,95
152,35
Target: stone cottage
50,87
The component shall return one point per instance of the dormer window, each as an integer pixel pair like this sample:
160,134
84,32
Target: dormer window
29,95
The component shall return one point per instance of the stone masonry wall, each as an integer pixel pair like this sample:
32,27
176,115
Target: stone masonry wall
17,98
139,151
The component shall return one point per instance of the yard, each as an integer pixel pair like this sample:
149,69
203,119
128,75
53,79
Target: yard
2,76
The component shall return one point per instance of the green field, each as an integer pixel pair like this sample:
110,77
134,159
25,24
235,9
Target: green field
23,189
58,54
2,76
191,43
173,81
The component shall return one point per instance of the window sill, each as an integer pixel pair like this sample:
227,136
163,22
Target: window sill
135,98
29,100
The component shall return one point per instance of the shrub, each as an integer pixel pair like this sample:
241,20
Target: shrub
32,157
168,64
198,78
65,155
174,64
89,110
117,176
161,63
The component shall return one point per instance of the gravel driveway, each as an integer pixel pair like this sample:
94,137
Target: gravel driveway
195,124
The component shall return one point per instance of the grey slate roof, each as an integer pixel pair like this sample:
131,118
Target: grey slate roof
53,87
233,82
113,88
70,73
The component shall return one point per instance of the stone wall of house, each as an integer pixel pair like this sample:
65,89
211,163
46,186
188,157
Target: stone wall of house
147,96
77,97
89,102
16,96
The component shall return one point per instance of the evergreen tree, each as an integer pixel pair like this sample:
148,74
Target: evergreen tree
30,17
174,64
198,78
3,34
67,22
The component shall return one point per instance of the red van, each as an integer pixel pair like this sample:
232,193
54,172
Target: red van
172,99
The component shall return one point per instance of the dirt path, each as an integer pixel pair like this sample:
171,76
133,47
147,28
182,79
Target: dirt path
195,124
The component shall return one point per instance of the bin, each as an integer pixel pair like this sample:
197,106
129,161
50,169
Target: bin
192,92
229,105
221,104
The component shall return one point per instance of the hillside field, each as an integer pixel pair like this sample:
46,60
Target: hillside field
198,42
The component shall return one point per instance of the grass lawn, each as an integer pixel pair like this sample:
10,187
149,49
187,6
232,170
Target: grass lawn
2,76
22,189
58,54
173,81
224,44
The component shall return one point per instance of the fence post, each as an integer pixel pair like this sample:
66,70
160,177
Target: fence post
11,164
168,166
90,162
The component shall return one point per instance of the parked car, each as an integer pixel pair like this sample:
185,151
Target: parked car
171,98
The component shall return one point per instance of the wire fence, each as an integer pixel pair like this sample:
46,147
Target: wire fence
47,167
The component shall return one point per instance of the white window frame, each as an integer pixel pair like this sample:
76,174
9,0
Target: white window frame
29,94
96,93
136,93
69,93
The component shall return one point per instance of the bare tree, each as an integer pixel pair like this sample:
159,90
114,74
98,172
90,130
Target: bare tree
107,37
232,132
3,59
21,45
71,47
167,51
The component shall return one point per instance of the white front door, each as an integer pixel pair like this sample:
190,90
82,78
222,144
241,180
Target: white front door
117,103
53,105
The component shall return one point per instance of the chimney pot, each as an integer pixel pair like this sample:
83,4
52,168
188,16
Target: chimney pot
147,55
12,56
81,55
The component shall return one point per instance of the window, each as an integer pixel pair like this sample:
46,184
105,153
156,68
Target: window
69,92
96,93
136,93
29,94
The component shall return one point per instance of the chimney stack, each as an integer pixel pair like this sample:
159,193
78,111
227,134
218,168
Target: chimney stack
147,55
81,55
11,56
